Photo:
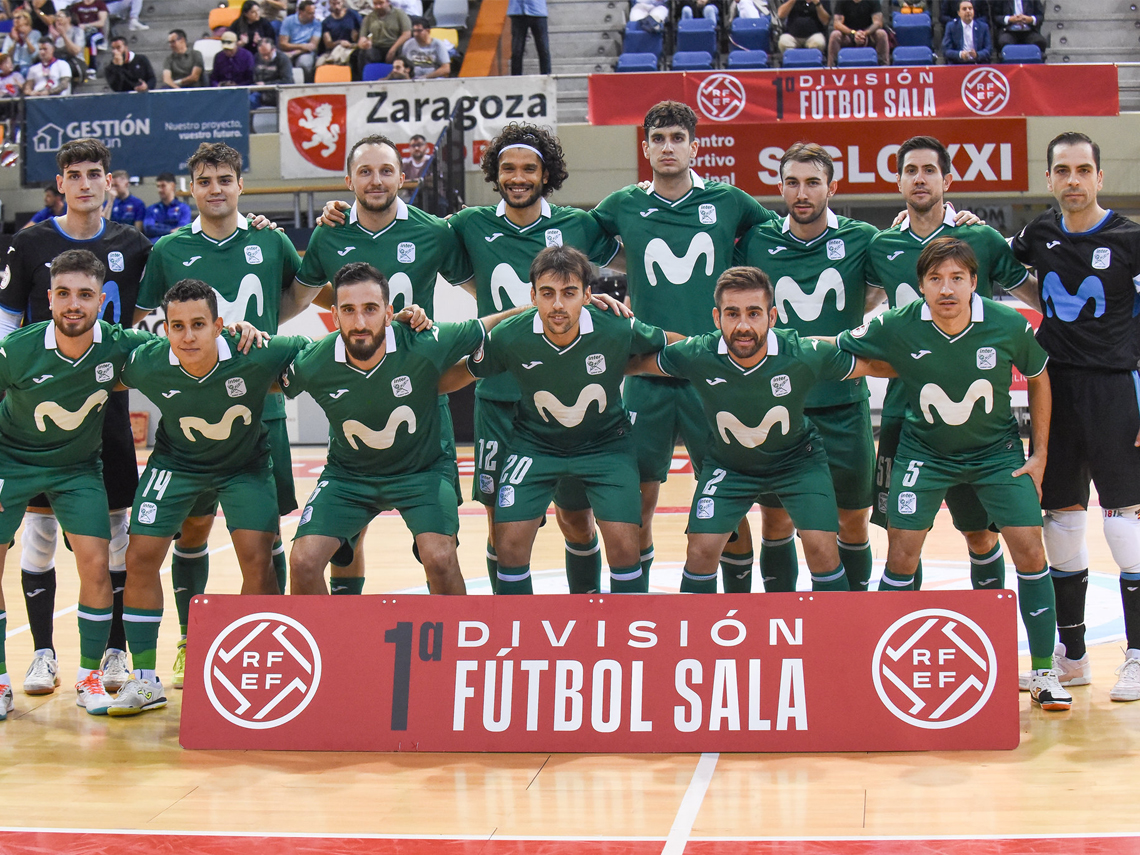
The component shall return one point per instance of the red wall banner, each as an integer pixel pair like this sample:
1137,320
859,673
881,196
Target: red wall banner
854,94
635,673
987,155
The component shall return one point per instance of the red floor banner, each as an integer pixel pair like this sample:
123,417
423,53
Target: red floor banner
854,94
918,671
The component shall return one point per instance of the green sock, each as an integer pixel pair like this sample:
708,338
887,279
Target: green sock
856,561
1035,600
189,571
514,580
779,565
736,571
279,566
987,572
142,636
895,582
917,577
628,580
646,563
492,566
3,639
94,630
693,584
584,566
836,580
346,584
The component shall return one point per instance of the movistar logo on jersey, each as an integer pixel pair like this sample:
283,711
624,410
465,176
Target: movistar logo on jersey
679,270
504,279
905,295
249,289
954,413
219,431
379,439
750,437
1059,303
64,418
570,416
809,307
400,285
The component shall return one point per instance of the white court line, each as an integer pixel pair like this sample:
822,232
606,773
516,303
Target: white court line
690,805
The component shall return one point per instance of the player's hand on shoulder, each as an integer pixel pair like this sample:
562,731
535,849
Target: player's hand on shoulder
415,317
968,218
644,185
333,214
248,336
260,222
606,302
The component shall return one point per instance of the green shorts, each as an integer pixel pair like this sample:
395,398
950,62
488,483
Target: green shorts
283,486
663,411
494,428
164,499
918,487
966,511
447,442
608,478
76,493
802,487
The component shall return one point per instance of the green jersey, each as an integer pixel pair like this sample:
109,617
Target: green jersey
820,286
383,421
211,423
410,251
500,254
571,395
757,413
52,412
956,388
676,249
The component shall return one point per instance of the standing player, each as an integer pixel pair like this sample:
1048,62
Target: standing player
1088,263
57,377
249,269
26,282
817,261
678,235
211,443
960,429
924,177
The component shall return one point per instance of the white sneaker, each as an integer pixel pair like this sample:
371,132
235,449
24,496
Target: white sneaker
1045,691
1127,688
136,24
1070,672
137,696
7,702
43,674
116,670
90,694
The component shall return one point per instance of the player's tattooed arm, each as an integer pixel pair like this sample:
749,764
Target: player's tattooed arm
1040,413
334,214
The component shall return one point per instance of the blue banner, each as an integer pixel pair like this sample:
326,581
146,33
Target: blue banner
147,132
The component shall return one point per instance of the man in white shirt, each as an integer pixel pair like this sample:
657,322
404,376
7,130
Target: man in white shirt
49,76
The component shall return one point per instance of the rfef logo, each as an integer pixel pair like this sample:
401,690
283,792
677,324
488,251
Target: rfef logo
985,91
317,126
721,97
262,670
934,669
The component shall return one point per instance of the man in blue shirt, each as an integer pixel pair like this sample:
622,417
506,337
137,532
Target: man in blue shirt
529,15
54,206
300,37
168,213
123,207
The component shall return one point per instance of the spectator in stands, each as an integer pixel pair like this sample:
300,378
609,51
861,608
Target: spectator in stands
92,16
129,9
49,76
530,16
121,205
382,34
651,15
412,8
272,10
339,33
752,8
401,70
21,43
429,57
966,40
184,68
232,65
41,13
69,44
251,28
55,205
858,23
301,37
413,166
128,71
11,81
805,24
272,68
169,212
700,8
1019,22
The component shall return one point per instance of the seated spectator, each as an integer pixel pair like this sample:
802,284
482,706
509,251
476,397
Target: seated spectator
184,68
274,10
382,33
94,19
401,70
966,39
858,23
428,57
701,9
121,206
339,33
128,9
300,37
1018,22
11,81
413,166
805,24
650,14
21,43
232,65
411,8
250,28
752,9
49,76
128,71
55,205
41,12
169,212
272,68
69,44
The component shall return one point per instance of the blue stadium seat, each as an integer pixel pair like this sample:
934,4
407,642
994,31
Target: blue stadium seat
1021,54
6,26
749,34
696,34
376,71
858,57
748,59
803,58
913,55
692,60
637,62
638,40
913,29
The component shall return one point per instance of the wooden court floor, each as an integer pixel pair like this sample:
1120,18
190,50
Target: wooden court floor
1074,773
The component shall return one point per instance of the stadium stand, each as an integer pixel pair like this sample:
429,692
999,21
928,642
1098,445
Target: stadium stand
692,60
743,59
857,57
803,58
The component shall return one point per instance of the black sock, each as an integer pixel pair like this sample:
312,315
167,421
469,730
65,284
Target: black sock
39,597
118,637
1070,589
1130,598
